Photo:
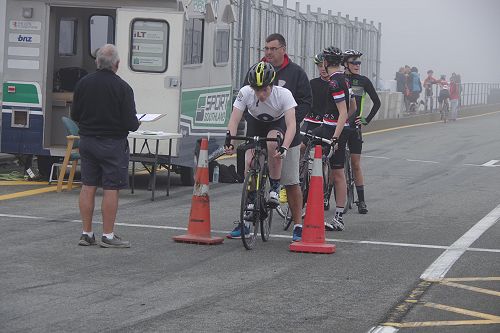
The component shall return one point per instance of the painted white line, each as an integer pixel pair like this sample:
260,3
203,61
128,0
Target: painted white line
439,268
383,329
423,161
225,232
380,157
491,163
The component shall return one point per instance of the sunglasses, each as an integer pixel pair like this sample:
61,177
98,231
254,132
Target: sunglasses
355,62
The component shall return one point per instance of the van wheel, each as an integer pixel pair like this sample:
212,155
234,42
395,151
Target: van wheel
187,176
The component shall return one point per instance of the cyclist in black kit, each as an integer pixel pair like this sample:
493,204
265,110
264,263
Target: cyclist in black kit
333,128
321,99
360,85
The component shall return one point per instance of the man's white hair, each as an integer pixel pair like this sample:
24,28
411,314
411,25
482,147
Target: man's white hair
107,57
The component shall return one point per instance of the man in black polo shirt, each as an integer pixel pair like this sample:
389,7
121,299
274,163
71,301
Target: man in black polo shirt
104,108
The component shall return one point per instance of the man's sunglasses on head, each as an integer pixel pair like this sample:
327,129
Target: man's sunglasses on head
355,62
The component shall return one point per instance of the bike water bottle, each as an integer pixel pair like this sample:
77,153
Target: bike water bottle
215,177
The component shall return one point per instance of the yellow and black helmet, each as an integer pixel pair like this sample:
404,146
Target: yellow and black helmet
261,74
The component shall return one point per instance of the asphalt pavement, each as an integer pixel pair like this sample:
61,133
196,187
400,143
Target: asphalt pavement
426,186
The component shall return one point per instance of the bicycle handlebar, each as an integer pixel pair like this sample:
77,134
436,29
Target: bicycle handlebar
314,137
254,139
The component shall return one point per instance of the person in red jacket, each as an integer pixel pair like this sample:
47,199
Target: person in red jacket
454,98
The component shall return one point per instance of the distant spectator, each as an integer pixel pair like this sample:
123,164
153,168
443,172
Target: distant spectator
400,80
415,87
454,97
428,82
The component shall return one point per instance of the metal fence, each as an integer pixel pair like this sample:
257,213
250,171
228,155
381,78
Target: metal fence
471,94
306,34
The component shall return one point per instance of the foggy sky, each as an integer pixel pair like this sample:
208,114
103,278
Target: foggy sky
461,36
447,36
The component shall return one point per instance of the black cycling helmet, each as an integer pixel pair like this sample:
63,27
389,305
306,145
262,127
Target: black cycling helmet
261,75
332,55
319,58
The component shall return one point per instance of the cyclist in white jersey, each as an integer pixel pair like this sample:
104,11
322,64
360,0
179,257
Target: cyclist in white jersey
272,111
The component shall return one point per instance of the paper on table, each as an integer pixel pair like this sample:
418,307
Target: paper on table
149,116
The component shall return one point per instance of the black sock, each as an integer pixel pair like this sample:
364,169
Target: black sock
275,183
361,192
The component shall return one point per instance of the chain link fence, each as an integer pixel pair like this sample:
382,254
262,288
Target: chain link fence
306,33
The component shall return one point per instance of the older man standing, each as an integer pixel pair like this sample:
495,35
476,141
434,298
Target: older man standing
104,108
291,76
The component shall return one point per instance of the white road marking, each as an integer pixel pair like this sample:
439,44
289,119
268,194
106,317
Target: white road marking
423,161
439,268
383,329
380,157
225,232
491,163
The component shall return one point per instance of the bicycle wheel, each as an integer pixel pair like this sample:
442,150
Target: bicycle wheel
326,183
249,225
350,183
446,108
265,210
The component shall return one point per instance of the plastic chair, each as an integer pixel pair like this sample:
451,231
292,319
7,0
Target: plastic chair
72,154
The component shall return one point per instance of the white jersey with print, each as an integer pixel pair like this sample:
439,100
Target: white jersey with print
273,108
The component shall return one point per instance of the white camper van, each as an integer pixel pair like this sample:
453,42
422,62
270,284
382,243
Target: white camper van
175,55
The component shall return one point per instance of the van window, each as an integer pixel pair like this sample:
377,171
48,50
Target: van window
102,32
67,36
221,47
193,44
149,46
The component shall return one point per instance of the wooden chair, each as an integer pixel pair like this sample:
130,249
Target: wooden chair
72,154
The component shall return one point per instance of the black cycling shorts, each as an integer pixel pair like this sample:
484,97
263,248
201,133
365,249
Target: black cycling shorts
104,161
262,128
337,160
355,141
443,94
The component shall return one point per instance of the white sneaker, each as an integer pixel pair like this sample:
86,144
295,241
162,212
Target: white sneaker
274,198
338,224
329,226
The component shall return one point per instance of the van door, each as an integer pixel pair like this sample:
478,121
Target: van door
150,48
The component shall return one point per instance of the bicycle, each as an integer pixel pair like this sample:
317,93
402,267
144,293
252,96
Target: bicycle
256,182
445,108
349,177
305,170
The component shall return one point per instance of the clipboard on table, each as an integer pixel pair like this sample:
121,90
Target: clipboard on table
146,117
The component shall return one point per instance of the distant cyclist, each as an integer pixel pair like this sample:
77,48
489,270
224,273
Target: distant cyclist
444,92
334,122
361,86
272,112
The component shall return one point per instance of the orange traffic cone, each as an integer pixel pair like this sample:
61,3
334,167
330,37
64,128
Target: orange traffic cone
313,231
199,218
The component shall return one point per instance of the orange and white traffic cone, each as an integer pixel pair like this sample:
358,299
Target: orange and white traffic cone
199,218
313,230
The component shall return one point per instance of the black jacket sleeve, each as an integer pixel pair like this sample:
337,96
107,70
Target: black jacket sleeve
303,96
76,108
370,90
127,108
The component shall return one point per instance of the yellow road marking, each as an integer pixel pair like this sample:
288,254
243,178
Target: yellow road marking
471,288
441,323
20,182
28,193
462,311
465,279
423,124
